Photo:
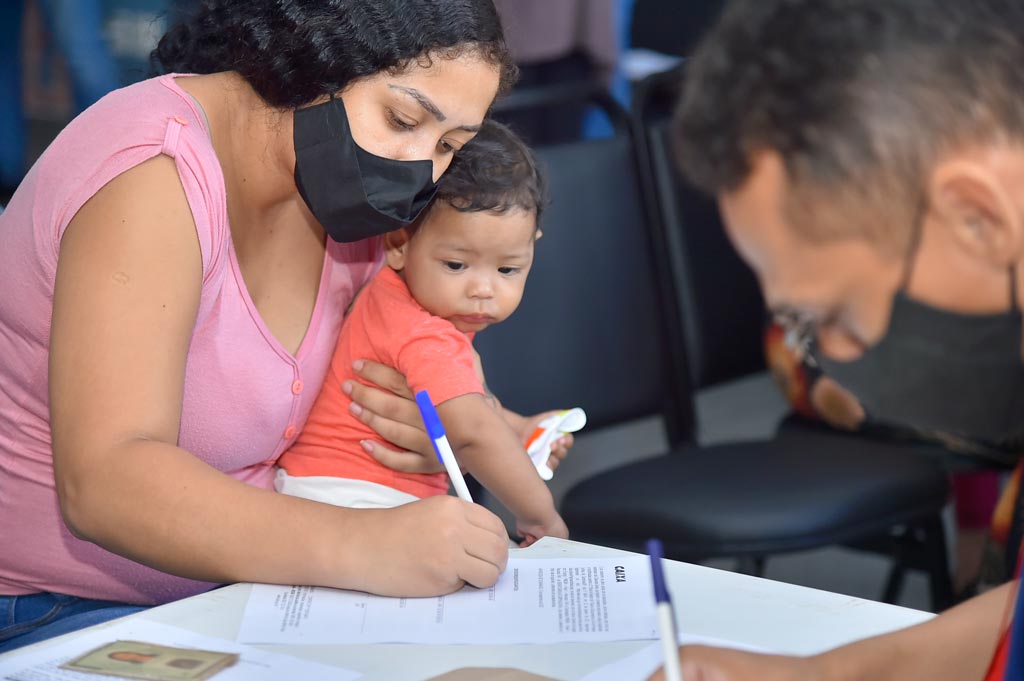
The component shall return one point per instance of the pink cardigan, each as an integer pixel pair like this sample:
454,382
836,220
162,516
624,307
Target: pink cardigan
245,396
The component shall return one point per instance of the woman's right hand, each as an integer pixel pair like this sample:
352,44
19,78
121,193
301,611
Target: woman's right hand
427,548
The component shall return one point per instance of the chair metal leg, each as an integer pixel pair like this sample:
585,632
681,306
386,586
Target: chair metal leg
940,582
903,542
751,565
894,583
921,546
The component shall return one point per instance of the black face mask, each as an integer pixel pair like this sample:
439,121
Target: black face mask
942,372
957,376
353,193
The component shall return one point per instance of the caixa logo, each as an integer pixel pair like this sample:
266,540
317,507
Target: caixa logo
620,573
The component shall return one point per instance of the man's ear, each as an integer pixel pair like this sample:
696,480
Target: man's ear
395,245
972,198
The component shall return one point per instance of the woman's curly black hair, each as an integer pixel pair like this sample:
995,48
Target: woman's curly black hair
293,52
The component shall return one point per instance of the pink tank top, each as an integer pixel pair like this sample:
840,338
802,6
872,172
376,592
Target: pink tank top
245,396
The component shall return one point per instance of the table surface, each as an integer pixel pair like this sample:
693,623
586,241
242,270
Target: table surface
713,603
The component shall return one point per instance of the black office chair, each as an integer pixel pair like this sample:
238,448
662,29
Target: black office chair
566,340
670,26
600,327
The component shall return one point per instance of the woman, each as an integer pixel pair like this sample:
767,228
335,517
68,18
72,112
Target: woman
176,267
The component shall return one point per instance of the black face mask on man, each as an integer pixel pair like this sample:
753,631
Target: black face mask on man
354,194
942,372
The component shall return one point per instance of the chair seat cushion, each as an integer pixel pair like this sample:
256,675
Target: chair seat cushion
797,491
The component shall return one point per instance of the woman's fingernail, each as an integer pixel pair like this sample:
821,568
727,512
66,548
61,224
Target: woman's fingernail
366,445
346,387
358,365
355,409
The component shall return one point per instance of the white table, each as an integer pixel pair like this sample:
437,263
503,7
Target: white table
714,603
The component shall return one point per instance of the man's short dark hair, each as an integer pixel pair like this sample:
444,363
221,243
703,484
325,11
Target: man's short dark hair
494,172
860,98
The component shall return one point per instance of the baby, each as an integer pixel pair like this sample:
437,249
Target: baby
459,269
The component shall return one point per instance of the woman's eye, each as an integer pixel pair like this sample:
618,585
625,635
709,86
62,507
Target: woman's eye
510,270
446,147
398,123
454,266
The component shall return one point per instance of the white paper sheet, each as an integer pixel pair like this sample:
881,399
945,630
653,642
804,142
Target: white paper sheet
253,664
534,601
644,662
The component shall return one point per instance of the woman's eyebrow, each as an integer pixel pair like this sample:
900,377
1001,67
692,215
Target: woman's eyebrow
429,106
423,100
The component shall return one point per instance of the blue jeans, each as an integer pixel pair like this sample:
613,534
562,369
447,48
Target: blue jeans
37,617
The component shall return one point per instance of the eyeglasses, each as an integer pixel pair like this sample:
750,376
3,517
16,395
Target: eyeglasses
799,330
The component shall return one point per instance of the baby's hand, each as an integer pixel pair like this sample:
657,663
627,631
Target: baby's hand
531,532
526,428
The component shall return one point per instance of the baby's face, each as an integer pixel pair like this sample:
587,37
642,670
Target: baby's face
470,268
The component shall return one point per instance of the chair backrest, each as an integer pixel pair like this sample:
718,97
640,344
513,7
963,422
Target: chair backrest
591,329
672,26
718,298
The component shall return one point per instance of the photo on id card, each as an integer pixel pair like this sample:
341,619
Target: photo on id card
137,660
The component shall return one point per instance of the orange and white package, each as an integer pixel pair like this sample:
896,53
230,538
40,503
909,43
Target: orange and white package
538,446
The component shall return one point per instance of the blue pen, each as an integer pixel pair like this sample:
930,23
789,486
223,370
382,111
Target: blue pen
441,447
666,620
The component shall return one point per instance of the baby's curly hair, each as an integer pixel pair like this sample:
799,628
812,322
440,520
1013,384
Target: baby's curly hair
494,172
293,52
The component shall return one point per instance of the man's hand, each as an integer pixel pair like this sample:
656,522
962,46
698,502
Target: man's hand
701,663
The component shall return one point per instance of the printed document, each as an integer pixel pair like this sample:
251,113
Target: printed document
535,601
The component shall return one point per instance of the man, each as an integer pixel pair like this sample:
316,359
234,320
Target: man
868,160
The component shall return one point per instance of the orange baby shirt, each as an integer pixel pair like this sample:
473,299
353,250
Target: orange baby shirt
386,325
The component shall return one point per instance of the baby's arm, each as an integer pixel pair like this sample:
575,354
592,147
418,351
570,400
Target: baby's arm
523,426
489,449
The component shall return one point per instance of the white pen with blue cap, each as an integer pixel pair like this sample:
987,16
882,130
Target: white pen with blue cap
435,430
666,619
